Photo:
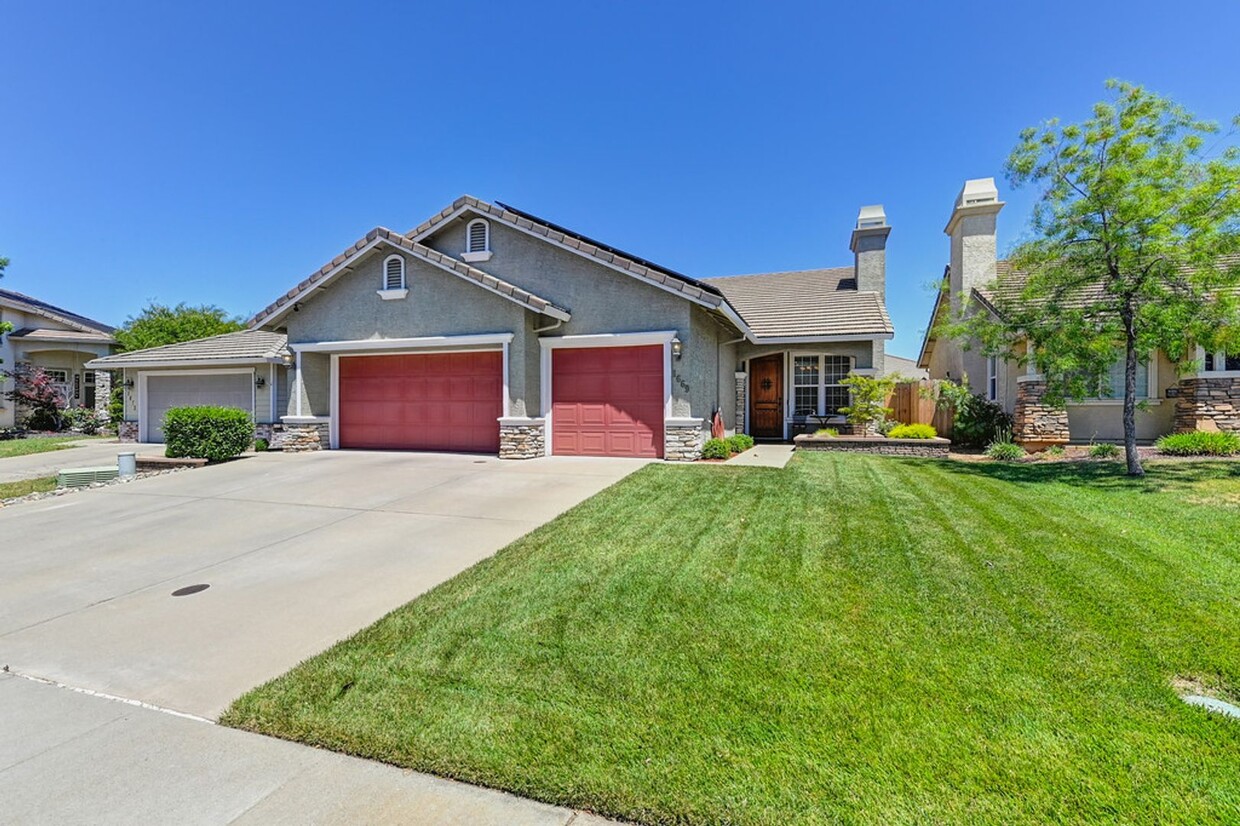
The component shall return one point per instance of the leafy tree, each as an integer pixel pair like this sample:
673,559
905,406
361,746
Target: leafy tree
34,390
869,400
159,324
1137,205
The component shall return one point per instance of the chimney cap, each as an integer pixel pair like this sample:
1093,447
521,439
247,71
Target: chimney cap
978,191
870,217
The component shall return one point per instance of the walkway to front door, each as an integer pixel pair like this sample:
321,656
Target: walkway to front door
766,394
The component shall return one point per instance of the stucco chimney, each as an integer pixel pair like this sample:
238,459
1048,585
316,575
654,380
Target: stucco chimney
972,232
869,246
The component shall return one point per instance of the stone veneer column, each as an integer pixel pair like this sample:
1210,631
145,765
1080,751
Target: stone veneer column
522,438
103,390
1036,423
305,436
682,440
742,401
1208,404
127,431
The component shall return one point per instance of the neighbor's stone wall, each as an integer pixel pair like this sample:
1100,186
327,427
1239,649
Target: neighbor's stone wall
1208,404
1035,422
302,437
103,391
682,442
923,448
742,401
127,431
273,433
522,439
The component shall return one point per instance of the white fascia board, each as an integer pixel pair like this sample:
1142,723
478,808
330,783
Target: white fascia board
821,339
608,339
344,265
206,364
421,343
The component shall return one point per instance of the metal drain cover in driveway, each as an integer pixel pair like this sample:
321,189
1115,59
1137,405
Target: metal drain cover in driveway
190,589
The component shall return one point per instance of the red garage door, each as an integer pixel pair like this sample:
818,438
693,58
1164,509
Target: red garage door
442,401
607,401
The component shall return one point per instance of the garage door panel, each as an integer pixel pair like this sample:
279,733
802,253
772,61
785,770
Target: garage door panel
608,401
426,401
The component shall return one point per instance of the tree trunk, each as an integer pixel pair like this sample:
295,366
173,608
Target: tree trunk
1130,395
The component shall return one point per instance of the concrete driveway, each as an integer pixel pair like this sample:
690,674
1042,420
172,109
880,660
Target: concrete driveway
299,551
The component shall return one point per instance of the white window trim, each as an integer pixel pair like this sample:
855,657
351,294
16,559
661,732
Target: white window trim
790,391
1220,357
397,346
474,256
388,293
551,343
52,372
144,424
1151,387
992,378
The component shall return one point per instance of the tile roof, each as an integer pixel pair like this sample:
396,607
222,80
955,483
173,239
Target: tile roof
420,251
34,305
805,304
701,291
246,346
45,334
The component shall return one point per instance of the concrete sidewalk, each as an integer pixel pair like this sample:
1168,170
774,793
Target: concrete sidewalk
84,454
764,455
72,758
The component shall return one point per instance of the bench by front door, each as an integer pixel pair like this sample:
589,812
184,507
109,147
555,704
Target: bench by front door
766,397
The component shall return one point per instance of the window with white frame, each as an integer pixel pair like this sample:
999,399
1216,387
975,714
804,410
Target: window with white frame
394,273
992,378
1113,382
58,376
478,236
816,388
1217,362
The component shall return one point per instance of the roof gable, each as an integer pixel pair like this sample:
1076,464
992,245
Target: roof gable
29,304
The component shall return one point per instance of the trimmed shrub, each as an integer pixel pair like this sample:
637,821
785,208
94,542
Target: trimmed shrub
1200,443
740,442
84,420
1104,450
1005,451
211,433
912,431
716,449
827,431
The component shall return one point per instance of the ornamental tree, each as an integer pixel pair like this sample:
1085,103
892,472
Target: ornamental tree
159,324
1138,207
34,390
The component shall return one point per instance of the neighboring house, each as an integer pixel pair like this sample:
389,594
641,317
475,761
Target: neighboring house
488,329
905,369
1206,399
59,342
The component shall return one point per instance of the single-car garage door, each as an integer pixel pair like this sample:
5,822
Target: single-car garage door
607,401
166,392
429,401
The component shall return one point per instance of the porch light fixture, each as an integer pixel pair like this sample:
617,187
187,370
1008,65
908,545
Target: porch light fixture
287,358
677,348
129,383
260,382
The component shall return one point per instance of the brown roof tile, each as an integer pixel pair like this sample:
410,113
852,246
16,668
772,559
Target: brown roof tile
805,303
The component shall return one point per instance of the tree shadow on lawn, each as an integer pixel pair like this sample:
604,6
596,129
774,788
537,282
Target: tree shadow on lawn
1160,476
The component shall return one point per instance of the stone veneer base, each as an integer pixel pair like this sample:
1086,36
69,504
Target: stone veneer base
522,438
1208,404
1035,423
303,437
877,445
682,440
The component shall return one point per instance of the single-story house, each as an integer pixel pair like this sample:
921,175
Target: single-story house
1208,398
59,342
489,329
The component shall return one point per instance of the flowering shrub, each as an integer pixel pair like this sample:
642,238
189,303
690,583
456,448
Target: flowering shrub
34,391
85,420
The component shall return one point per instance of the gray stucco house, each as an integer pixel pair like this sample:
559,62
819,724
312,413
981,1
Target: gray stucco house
488,329
58,341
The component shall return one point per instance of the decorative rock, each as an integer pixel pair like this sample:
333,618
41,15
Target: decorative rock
522,438
120,480
1037,424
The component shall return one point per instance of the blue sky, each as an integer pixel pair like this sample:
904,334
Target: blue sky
219,155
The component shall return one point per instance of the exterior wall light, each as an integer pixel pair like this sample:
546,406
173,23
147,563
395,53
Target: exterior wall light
677,348
260,382
129,384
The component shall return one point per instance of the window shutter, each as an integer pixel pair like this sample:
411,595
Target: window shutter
394,276
477,237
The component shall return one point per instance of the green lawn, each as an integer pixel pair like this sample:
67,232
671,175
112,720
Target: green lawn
38,444
11,490
853,639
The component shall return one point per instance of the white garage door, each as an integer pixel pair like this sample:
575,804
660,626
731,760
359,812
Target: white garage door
166,392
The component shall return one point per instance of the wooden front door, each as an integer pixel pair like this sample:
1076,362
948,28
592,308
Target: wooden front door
766,397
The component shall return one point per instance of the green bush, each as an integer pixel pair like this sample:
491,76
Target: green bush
827,431
1200,443
740,442
716,449
1005,451
211,433
261,445
1054,452
976,421
912,431
84,420
1104,450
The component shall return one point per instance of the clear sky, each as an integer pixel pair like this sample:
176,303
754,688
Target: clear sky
220,155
